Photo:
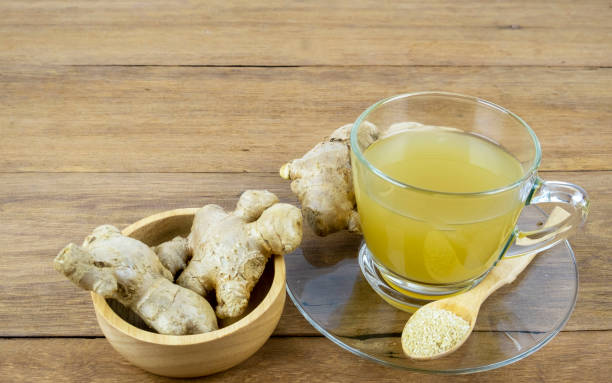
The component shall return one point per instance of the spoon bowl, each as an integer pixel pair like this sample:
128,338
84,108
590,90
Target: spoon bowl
460,307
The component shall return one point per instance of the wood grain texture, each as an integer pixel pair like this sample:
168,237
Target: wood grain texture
159,119
58,208
571,356
137,102
306,33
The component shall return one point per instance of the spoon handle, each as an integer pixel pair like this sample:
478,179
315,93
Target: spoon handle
507,269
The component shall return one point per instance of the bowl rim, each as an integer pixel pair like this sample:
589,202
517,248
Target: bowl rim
103,310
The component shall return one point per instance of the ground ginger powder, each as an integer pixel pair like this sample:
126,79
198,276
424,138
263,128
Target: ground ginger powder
432,331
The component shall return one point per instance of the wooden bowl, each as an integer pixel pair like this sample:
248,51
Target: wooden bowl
191,355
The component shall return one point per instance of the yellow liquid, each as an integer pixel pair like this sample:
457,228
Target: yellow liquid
432,237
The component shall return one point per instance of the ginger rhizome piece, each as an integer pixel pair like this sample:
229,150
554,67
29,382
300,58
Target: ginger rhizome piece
174,254
322,181
125,269
230,250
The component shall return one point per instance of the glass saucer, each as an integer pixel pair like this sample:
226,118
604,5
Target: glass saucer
325,282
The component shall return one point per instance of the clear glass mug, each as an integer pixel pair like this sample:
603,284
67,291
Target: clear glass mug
426,244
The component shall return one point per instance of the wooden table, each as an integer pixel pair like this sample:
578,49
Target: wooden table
113,110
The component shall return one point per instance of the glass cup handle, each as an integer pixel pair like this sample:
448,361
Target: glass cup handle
562,222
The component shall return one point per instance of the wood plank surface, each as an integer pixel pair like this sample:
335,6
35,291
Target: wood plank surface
159,119
41,212
114,110
319,32
564,359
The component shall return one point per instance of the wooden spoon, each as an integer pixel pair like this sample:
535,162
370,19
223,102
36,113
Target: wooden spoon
466,305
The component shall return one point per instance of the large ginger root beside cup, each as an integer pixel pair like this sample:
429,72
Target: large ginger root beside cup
125,269
230,250
322,181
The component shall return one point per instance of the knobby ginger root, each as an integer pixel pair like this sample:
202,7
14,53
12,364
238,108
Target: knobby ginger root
230,250
322,181
127,270
174,254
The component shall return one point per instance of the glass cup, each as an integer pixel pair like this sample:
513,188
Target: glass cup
425,243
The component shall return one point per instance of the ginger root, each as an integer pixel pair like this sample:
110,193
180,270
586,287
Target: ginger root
230,250
322,181
174,254
127,270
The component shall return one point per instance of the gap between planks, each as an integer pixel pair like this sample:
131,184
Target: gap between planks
272,66
246,172
361,337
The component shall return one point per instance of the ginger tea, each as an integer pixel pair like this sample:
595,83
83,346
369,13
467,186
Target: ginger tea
425,233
